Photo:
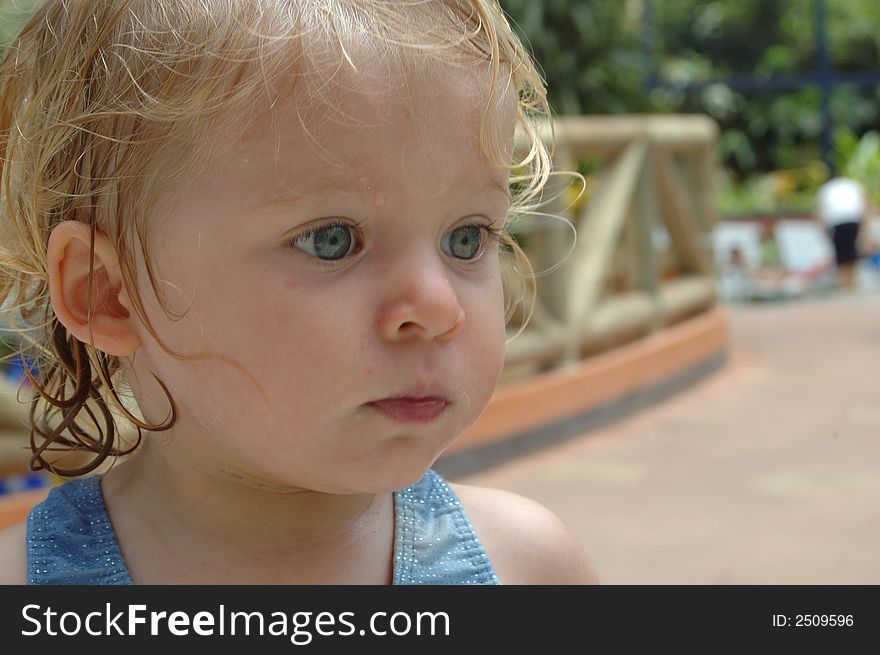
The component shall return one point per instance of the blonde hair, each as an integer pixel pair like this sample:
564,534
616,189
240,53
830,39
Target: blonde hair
102,102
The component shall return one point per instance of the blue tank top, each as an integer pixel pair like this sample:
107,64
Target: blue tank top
70,539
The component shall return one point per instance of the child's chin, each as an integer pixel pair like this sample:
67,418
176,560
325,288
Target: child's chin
389,478
403,481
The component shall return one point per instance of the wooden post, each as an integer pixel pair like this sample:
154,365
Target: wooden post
596,239
647,220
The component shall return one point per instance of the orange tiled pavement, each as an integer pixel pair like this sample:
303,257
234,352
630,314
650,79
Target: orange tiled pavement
766,472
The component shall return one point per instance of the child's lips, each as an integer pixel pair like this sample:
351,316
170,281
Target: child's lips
411,409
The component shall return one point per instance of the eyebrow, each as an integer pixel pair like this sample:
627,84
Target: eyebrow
338,185
292,195
495,185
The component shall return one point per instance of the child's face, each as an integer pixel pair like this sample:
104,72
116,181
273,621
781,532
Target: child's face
328,322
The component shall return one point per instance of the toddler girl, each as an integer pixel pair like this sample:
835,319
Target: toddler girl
270,234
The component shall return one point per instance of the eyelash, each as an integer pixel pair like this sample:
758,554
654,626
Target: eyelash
494,234
302,236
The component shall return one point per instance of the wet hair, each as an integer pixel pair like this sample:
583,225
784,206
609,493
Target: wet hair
104,102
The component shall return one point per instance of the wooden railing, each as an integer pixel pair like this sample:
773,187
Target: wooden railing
642,258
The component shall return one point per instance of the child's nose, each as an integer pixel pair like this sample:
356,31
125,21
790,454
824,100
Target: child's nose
421,302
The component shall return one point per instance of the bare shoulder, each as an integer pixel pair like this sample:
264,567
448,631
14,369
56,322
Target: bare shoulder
13,555
527,543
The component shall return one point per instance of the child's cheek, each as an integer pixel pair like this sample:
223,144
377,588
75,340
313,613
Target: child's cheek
488,348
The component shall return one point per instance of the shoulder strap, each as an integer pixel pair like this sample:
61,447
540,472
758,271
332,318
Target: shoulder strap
70,539
434,542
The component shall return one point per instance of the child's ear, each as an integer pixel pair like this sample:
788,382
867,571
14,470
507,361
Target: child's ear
68,259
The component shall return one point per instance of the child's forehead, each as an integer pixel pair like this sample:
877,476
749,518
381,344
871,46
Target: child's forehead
364,86
339,116
362,126
367,136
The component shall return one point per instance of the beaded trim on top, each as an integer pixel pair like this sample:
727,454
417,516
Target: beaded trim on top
70,539
434,541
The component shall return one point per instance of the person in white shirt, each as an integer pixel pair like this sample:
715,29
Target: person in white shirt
842,205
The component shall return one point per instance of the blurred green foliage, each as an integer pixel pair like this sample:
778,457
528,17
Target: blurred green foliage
594,60
13,14
589,51
860,160
794,190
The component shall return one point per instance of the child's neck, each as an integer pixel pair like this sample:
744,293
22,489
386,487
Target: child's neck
177,524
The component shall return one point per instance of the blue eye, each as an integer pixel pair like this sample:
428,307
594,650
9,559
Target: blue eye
328,242
465,242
